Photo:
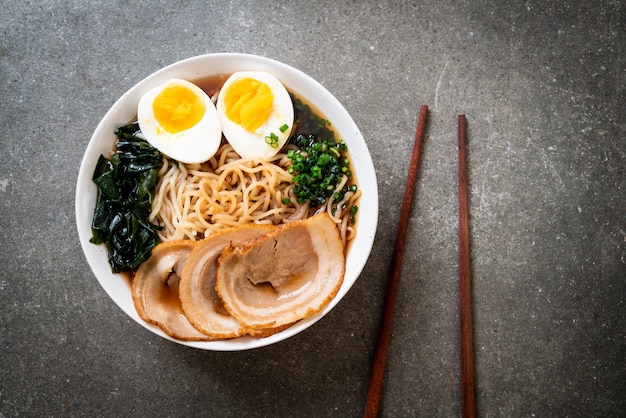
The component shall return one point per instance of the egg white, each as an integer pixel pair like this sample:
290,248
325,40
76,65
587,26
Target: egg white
253,145
193,145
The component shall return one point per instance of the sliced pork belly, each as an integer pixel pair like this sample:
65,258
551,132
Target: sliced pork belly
286,275
155,290
199,301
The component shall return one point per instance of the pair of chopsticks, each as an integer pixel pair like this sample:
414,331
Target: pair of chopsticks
465,298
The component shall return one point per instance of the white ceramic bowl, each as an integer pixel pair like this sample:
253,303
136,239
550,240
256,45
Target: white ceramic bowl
125,110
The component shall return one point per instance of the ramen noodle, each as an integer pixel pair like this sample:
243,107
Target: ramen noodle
194,200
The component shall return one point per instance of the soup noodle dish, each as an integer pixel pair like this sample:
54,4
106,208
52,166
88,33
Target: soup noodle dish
227,202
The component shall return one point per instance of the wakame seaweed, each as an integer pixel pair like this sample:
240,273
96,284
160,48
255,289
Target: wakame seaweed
126,186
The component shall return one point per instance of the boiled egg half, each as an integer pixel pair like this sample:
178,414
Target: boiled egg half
256,114
180,120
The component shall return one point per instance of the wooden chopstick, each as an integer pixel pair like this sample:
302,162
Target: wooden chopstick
384,330
465,288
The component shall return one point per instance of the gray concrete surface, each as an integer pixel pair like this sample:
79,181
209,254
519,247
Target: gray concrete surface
542,84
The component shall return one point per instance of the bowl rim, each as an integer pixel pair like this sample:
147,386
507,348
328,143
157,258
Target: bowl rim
124,109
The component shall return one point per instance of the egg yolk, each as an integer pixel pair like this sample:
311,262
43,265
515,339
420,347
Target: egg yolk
248,103
177,109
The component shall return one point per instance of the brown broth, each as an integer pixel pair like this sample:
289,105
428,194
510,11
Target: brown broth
127,276
211,84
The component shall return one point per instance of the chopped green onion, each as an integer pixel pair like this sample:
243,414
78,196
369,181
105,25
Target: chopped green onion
284,128
317,168
272,140
323,159
353,211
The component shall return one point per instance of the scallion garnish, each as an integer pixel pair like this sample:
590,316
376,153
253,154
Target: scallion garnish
317,169
272,140
353,211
